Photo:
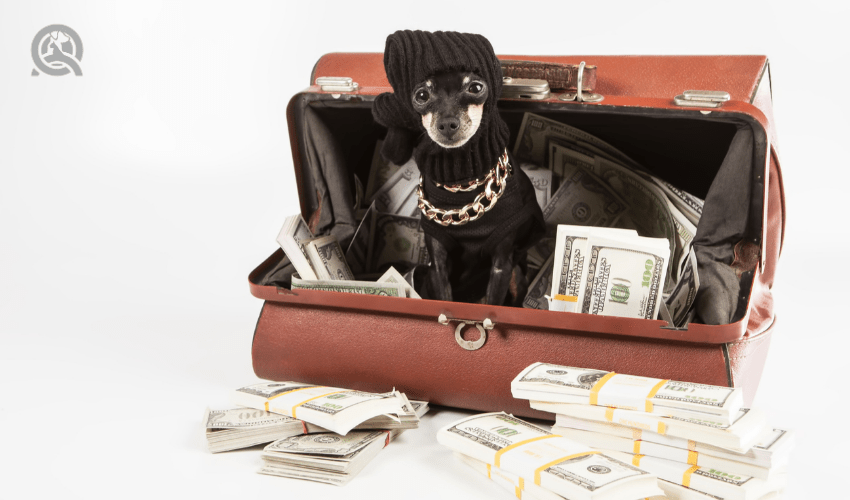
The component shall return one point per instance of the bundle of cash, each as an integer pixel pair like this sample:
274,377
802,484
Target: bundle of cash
553,464
598,185
335,409
696,438
608,272
237,428
566,384
324,457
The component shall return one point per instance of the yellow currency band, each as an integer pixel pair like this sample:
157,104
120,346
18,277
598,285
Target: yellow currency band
311,399
518,491
594,392
692,445
559,460
652,394
636,449
609,414
520,488
290,392
488,472
567,298
686,477
636,460
662,428
692,457
506,449
637,434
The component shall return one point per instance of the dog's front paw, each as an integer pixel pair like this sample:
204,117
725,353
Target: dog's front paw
398,145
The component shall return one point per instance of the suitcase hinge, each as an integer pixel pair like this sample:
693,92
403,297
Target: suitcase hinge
337,84
469,345
578,96
701,98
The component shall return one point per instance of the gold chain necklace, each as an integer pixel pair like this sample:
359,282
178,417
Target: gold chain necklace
498,175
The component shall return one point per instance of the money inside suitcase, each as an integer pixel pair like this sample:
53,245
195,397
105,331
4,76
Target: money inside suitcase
718,157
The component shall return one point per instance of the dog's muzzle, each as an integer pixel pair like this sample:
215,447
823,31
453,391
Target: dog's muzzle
498,175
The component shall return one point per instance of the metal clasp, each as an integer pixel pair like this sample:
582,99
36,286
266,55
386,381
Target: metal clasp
701,98
469,345
578,96
337,84
524,88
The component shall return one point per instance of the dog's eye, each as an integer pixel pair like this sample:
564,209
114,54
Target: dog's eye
476,88
422,96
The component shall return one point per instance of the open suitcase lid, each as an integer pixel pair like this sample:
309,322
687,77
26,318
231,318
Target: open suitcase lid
630,84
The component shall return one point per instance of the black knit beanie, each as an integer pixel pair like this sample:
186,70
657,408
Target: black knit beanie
410,57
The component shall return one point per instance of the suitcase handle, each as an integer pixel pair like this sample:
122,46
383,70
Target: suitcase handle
560,76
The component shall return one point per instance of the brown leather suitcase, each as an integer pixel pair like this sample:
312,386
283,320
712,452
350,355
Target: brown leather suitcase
377,343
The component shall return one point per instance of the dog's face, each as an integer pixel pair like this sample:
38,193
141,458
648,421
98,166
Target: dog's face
451,105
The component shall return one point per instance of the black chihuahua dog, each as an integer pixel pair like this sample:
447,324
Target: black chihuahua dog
479,214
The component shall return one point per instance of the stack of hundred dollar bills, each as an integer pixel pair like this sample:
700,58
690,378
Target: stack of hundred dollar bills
587,182
533,463
697,439
316,433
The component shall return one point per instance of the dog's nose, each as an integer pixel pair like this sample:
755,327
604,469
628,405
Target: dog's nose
448,126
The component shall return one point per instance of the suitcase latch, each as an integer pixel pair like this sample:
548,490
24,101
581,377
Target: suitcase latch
701,98
578,96
337,84
524,88
469,345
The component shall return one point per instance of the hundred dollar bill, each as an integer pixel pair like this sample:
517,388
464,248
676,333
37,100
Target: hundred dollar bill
602,441
537,290
684,294
739,436
327,259
541,179
536,132
379,173
624,278
540,457
335,409
567,384
397,241
346,286
727,485
582,198
293,237
391,196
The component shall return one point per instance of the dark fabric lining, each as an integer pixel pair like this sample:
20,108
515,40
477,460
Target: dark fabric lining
712,158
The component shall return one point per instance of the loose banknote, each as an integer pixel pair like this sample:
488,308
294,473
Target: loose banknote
397,241
327,259
293,238
345,286
393,276
335,409
557,464
582,199
379,172
541,179
682,298
538,290
393,194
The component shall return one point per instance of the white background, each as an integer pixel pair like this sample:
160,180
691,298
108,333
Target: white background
134,200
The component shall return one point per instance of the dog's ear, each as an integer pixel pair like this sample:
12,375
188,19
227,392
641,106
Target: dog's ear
398,145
